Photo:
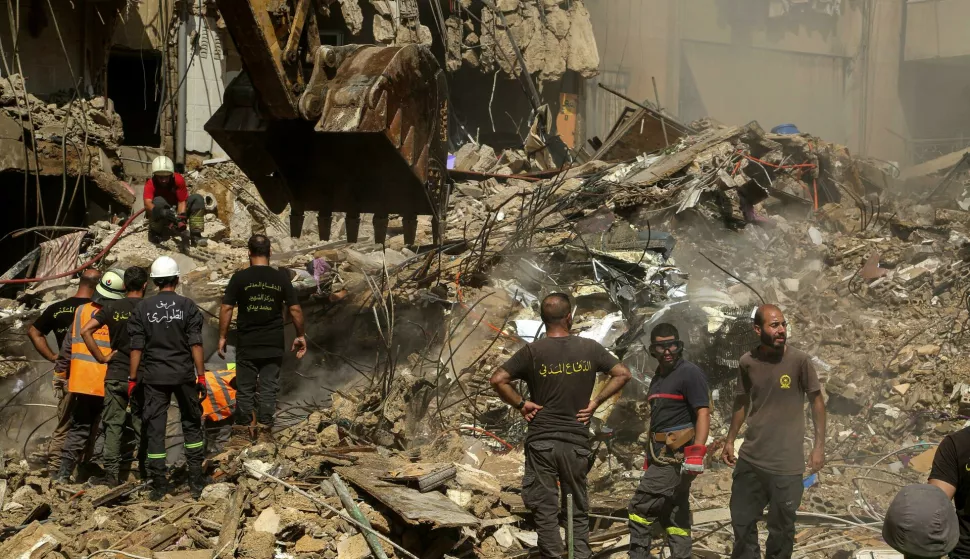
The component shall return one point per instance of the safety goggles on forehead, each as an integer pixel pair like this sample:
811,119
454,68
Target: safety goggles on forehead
673,346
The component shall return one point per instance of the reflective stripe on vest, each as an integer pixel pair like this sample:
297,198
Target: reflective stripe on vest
220,399
86,375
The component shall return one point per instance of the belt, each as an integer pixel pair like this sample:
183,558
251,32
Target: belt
660,437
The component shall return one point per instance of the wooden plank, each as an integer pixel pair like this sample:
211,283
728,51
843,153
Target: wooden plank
115,494
234,514
414,507
201,541
710,515
162,537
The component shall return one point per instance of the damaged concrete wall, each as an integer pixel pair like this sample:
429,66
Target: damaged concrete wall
553,37
44,62
142,25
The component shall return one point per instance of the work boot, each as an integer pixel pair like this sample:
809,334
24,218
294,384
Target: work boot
199,241
197,482
106,480
154,237
64,474
87,470
159,488
241,437
264,434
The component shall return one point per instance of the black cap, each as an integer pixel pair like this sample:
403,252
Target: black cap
921,522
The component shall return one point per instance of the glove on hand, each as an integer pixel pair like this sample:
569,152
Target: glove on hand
694,459
60,386
183,222
201,384
131,387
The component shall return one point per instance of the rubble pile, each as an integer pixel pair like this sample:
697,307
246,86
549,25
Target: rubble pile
872,277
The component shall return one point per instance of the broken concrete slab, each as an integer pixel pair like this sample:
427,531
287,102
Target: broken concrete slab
355,547
414,507
309,544
268,521
937,165
33,542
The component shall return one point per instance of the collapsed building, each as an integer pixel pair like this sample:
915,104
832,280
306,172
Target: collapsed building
390,426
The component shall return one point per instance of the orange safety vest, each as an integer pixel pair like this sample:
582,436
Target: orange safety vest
220,401
86,375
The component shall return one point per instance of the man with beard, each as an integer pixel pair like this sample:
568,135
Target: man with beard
772,384
680,417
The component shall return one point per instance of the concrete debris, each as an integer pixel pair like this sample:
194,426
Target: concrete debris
394,395
553,36
353,16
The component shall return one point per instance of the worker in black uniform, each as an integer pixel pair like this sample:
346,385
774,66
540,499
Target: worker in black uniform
122,403
560,371
166,341
57,318
680,418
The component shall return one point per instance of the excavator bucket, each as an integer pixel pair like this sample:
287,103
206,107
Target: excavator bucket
367,132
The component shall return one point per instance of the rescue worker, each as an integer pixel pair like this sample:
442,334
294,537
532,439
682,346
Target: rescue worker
166,342
680,417
171,210
922,524
218,404
118,422
772,383
85,374
560,371
262,294
951,473
57,318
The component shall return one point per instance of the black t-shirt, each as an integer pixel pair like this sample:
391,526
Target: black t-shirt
165,327
675,397
58,317
260,293
952,465
560,373
115,315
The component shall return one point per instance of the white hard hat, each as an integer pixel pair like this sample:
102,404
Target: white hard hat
112,285
165,267
162,165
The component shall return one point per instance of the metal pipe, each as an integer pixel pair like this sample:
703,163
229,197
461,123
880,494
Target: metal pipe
569,525
183,61
663,121
372,542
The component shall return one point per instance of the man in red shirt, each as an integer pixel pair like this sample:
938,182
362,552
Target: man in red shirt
166,189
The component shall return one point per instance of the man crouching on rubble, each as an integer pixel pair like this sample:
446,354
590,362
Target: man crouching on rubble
679,421
560,371
773,381
171,210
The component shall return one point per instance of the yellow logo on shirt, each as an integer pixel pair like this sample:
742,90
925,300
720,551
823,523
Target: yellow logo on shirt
566,368
785,382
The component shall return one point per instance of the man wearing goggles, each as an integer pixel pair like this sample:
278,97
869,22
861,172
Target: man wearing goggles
679,422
